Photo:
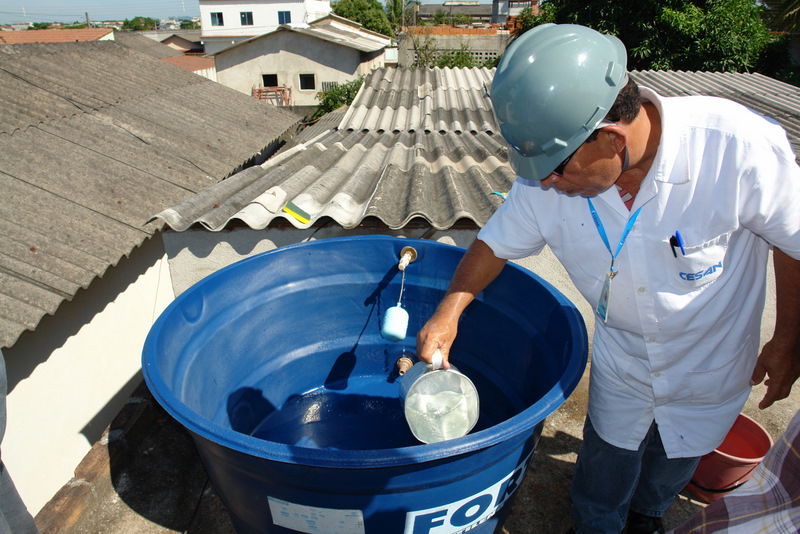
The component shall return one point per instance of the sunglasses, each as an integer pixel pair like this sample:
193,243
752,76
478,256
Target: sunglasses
559,170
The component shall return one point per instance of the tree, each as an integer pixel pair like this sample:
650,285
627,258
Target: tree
425,51
140,24
462,19
428,55
784,15
459,58
717,35
729,35
369,13
340,95
440,17
40,26
401,12
527,20
189,25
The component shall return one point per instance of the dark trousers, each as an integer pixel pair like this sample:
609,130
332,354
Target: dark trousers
610,481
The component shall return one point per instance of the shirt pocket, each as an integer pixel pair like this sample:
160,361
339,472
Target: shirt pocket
697,265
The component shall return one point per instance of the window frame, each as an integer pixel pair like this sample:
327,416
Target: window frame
313,79
264,81
248,15
217,19
284,15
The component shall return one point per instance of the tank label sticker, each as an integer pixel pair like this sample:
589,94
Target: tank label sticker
468,513
314,520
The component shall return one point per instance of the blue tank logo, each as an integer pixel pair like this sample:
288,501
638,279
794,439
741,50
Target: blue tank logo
464,515
700,274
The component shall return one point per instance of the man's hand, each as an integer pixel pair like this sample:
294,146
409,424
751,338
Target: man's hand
779,360
780,363
438,333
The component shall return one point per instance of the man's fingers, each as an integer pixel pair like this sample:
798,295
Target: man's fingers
758,374
767,401
772,395
776,390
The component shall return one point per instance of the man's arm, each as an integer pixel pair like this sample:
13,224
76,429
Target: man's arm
779,360
477,269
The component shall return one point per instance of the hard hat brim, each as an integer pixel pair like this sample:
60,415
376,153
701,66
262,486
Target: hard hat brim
532,168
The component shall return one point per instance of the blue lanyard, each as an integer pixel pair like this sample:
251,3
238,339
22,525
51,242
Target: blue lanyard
602,231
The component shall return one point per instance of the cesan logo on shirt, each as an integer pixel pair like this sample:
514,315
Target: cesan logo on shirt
701,274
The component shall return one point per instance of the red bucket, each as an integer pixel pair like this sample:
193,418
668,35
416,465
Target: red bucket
730,465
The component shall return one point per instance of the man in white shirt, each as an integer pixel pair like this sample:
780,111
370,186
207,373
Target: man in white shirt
663,211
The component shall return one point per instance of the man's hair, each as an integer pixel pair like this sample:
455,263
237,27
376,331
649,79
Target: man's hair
626,106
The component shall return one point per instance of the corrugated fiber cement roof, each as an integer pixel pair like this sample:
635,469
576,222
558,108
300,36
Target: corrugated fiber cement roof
416,143
94,138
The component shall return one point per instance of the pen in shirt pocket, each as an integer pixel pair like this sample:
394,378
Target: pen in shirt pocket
676,240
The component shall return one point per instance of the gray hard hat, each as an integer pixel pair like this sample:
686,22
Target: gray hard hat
552,87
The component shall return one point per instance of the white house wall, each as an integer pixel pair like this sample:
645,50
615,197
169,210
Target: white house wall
211,74
212,45
317,9
265,15
70,377
287,54
377,61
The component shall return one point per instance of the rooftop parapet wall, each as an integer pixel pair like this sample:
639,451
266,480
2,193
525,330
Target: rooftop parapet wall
444,29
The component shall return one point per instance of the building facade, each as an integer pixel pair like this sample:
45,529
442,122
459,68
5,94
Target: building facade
227,22
290,66
453,11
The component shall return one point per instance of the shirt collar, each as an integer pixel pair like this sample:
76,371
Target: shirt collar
670,143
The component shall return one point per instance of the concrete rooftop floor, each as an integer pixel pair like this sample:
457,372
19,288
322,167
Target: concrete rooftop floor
144,476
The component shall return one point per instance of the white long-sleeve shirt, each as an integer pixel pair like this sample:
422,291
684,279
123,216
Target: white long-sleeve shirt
682,333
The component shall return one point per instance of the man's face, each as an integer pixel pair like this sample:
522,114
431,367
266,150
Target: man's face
592,169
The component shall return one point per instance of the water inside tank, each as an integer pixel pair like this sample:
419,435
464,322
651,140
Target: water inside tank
345,411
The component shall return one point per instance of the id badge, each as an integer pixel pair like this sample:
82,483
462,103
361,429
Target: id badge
602,304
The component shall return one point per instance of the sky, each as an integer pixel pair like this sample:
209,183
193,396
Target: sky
74,10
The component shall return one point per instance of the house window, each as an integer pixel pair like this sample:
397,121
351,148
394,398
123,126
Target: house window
269,80
284,17
216,19
307,82
247,18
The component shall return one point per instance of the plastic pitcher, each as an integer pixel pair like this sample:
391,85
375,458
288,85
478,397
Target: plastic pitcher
439,404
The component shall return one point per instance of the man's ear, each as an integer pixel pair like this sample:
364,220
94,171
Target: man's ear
617,137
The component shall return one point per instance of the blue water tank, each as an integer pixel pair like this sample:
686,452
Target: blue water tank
277,368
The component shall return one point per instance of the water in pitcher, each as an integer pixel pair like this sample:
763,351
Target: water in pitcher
440,407
438,417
